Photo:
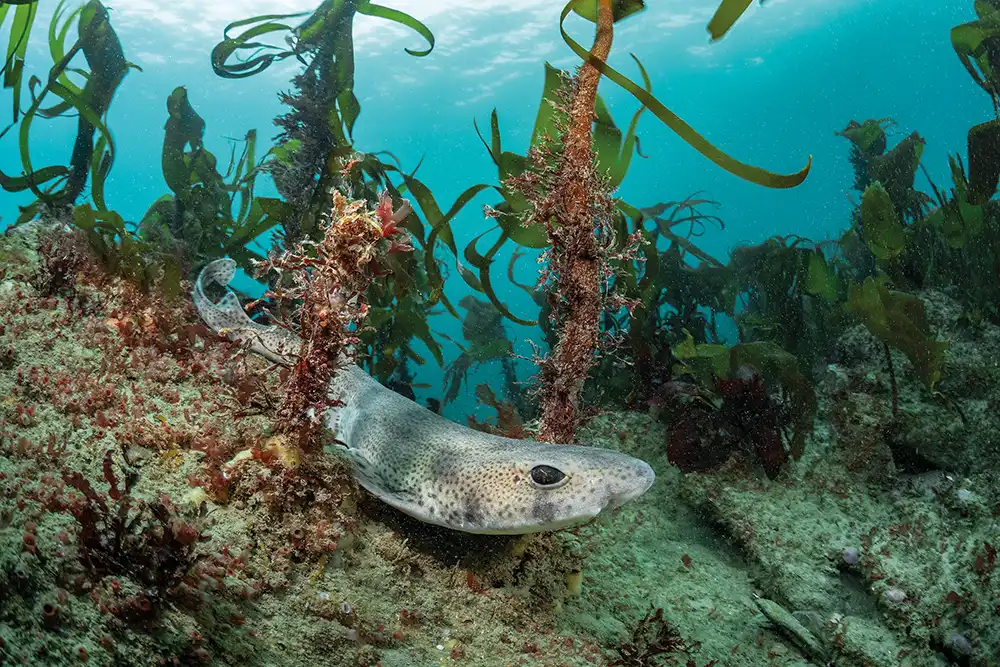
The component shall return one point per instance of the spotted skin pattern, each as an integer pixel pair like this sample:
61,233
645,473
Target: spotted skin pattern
436,470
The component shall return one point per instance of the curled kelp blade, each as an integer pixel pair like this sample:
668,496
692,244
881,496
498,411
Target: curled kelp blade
511,264
402,18
483,262
440,230
329,16
682,129
229,46
17,46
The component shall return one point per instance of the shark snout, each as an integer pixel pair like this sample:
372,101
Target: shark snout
632,481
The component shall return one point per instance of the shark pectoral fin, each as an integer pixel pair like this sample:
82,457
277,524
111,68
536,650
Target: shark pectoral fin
368,476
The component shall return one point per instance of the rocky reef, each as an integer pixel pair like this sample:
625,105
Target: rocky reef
150,516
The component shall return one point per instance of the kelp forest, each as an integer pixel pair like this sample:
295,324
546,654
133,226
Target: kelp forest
820,413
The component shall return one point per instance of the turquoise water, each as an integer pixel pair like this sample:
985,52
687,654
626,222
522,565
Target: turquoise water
772,92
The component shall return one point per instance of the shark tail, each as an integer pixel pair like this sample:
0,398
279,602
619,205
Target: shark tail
227,317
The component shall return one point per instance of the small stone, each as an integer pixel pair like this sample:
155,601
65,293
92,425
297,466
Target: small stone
960,644
895,595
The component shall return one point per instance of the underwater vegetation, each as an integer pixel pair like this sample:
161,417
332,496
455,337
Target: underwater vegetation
165,497
328,279
209,214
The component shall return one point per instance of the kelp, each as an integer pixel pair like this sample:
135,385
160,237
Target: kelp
613,151
666,279
896,171
400,303
984,161
868,146
103,52
906,250
581,220
880,225
899,320
869,136
317,131
950,239
957,218
977,45
197,221
327,36
613,147
726,16
394,322
684,212
123,253
199,211
571,200
789,291
22,20
483,328
439,229
868,140
779,370
330,18
955,244
668,297
821,279
677,125
314,154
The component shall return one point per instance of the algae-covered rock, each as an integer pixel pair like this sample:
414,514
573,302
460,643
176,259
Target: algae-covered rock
831,541
879,547
950,428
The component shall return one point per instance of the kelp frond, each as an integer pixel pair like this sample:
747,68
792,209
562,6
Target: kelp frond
677,124
103,52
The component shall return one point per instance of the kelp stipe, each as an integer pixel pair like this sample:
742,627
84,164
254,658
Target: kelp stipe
675,123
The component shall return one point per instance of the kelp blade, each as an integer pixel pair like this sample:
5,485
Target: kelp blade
682,129
726,16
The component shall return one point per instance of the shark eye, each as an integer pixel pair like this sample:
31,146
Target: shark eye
546,475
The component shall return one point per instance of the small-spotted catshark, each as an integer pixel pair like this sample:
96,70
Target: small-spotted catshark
434,469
